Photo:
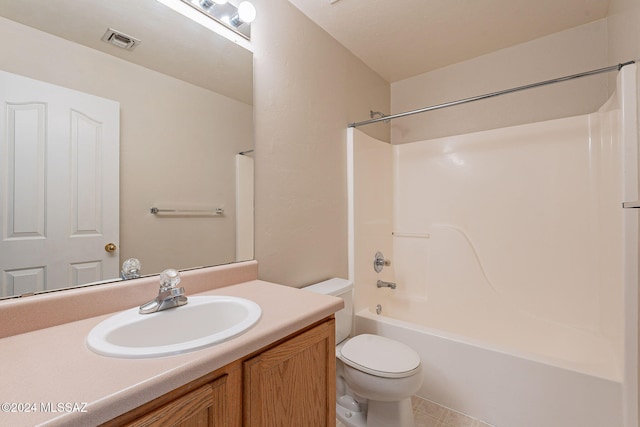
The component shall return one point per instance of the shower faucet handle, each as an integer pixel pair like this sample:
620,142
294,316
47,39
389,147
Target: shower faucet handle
379,262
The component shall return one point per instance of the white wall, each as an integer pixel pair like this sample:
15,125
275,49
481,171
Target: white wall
178,143
572,51
308,87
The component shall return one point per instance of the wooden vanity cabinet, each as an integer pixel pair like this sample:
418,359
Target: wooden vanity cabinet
289,383
293,383
213,400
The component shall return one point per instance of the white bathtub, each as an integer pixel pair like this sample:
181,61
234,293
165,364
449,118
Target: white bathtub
568,383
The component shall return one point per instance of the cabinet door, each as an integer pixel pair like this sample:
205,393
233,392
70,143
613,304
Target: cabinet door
192,409
293,384
214,403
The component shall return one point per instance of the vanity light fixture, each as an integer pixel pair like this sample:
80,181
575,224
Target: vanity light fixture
236,18
194,10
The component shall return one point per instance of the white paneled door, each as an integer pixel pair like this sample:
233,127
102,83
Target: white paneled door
59,189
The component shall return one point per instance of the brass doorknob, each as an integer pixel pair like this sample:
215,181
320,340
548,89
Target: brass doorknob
110,247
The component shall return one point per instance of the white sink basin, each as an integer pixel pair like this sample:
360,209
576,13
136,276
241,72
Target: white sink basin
202,322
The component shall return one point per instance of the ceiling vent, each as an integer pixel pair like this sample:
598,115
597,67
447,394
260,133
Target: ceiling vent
120,39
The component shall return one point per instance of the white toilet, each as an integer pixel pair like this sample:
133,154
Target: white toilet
376,376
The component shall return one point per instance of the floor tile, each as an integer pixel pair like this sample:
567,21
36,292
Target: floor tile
430,414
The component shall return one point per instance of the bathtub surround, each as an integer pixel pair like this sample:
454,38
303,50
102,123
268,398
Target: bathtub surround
523,262
624,40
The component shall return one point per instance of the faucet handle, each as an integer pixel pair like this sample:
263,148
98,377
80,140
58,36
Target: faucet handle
130,269
379,262
169,279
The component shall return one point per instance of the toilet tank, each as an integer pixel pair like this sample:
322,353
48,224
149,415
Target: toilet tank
341,288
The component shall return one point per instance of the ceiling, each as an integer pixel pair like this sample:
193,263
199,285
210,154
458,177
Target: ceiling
403,38
170,43
398,39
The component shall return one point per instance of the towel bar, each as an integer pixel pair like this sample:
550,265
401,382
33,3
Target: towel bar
217,211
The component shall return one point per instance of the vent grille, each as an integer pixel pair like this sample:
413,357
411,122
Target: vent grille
120,39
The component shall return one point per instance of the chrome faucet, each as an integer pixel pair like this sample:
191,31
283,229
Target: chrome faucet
382,284
168,296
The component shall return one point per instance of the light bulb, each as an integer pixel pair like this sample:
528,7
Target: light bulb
208,4
246,12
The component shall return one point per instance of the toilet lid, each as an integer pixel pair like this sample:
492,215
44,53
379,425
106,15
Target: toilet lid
380,356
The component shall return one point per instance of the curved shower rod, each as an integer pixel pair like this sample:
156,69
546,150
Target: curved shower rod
493,94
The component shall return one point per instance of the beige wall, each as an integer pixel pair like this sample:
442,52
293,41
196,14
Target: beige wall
308,87
624,30
572,51
177,146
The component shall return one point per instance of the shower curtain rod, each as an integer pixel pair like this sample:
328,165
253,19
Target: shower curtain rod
493,94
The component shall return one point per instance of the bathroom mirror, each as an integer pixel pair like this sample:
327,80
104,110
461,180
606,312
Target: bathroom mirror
185,98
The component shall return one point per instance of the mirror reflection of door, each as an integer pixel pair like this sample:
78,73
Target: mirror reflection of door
59,186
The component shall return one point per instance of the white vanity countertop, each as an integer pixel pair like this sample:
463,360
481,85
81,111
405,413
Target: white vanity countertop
46,368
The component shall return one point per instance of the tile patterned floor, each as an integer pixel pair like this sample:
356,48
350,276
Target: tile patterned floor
429,414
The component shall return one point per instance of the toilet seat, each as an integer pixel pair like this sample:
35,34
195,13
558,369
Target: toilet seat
380,356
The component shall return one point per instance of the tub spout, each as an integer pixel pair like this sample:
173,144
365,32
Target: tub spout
382,284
